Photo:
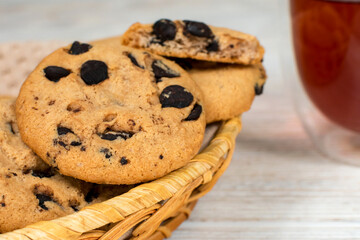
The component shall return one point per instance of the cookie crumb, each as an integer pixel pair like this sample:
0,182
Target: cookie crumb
2,203
107,152
123,161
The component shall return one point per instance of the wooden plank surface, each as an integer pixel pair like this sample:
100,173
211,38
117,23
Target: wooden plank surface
277,186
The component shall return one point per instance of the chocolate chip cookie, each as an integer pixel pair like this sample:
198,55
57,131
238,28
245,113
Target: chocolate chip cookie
106,113
228,89
16,153
196,40
31,191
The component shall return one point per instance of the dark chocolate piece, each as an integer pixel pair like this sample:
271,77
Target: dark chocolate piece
11,127
79,48
61,143
75,208
91,195
94,72
156,41
75,143
107,152
195,113
123,161
164,29
185,63
134,61
2,203
43,174
175,96
213,46
198,29
55,73
63,130
111,135
259,89
42,199
161,70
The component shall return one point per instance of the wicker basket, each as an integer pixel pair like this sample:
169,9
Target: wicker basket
149,211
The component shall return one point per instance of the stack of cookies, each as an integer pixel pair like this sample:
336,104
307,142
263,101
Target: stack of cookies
94,118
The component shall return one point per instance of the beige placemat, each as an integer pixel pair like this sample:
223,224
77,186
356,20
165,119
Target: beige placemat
18,59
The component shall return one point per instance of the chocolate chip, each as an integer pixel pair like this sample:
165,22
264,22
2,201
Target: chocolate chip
195,113
175,96
213,46
164,29
185,63
259,89
75,143
54,73
113,135
107,152
156,41
108,136
91,195
83,149
63,130
75,208
161,70
94,72
134,61
79,48
11,127
161,156
52,102
197,29
42,199
61,143
9,174
43,174
123,161
2,203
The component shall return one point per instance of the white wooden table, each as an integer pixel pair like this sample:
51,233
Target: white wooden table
277,186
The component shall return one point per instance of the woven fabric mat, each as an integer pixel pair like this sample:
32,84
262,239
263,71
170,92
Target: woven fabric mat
18,59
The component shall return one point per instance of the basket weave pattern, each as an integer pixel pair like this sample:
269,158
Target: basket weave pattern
149,211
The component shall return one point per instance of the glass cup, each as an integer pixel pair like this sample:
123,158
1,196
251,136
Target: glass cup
326,40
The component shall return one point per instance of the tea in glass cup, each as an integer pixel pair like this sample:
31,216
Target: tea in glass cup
326,39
